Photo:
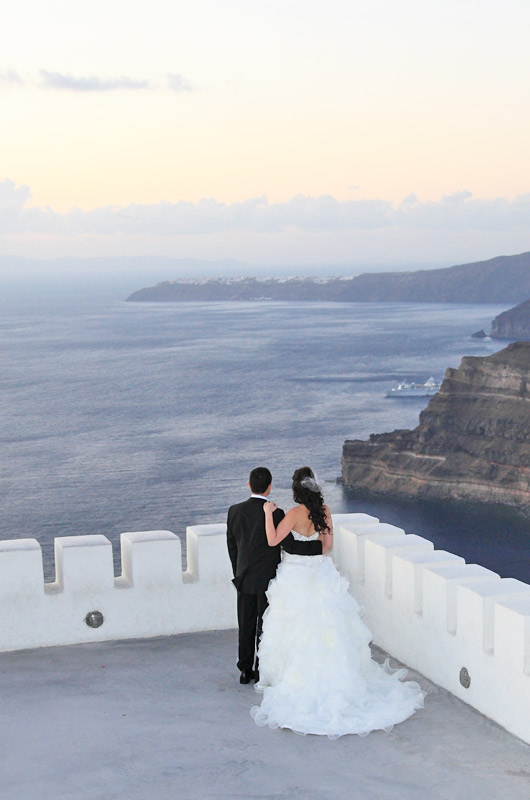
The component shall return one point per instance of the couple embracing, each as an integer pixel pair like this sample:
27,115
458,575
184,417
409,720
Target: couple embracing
301,637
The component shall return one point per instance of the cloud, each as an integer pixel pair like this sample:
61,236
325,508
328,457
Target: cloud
59,80
461,211
255,215
11,77
177,83
62,81
458,212
13,197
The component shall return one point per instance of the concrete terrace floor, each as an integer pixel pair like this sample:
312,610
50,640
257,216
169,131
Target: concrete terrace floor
165,718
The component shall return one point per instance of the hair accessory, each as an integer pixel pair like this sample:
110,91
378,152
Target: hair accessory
312,484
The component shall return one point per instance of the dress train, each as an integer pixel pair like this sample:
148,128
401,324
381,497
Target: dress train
316,670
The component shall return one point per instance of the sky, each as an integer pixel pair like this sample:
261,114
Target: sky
335,135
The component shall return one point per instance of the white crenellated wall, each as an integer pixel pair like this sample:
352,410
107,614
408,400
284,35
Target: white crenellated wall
437,614
426,607
151,597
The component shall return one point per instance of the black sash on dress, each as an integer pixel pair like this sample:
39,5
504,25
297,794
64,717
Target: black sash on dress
297,548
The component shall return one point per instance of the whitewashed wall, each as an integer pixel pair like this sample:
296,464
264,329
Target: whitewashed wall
152,597
424,606
440,615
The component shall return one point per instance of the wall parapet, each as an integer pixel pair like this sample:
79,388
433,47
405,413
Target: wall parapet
460,625
151,597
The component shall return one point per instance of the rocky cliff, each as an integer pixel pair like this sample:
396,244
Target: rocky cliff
513,324
472,442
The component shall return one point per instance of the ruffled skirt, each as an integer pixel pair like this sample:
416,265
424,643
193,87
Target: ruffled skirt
316,670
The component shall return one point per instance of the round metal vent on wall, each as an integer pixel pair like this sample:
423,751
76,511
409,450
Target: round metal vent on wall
94,619
465,678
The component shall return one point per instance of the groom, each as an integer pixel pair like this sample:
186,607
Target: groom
254,564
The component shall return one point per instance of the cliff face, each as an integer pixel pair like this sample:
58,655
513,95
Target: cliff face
472,442
513,324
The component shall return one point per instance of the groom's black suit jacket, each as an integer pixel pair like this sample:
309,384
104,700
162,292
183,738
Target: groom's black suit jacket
254,562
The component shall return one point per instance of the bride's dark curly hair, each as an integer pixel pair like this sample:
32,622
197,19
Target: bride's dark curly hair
312,500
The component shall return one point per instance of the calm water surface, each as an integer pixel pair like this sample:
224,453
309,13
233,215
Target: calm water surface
119,417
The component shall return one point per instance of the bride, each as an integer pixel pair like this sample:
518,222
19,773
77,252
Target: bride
316,671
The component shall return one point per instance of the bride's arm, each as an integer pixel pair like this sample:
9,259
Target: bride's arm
276,535
327,537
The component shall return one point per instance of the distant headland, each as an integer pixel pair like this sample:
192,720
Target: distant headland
504,279
513,324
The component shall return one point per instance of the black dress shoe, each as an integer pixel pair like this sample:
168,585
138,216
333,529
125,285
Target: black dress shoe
246,676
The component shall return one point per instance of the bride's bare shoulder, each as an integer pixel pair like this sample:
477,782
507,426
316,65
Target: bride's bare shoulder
293,512
300,511
297,514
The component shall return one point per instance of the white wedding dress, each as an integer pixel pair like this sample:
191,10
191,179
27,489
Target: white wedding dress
316,670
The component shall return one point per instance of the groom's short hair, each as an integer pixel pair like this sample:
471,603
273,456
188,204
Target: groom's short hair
260,478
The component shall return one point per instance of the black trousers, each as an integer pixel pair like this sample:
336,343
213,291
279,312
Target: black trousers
250,608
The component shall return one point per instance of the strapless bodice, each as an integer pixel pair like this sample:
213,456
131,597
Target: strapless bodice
301,538
304,555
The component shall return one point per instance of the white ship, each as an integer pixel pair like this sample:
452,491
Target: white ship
411,389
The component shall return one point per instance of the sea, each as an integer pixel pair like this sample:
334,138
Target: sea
121,416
